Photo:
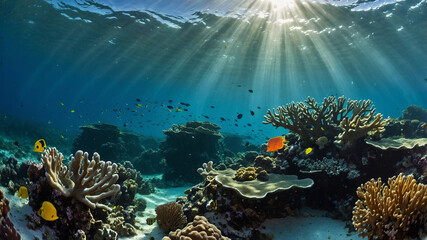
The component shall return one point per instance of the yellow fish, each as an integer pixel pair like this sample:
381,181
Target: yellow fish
150,221
40,145
23,192
47,211
275,144
139,105
308,151
62,104
72,111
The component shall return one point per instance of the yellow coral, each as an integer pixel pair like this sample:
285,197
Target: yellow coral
390,212
250,173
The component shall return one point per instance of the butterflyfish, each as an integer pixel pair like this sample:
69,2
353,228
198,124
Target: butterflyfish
23,192
47,211
308,151
275,144
40,145
150,221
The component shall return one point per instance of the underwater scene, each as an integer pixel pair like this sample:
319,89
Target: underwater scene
213,119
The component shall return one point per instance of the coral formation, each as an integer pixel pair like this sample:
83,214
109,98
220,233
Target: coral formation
170,216
250,173
108,141
414,112
121,220
7,229
207,170
199,229
259,189
267,163
88,183
395,211
187,146
312,121
398,143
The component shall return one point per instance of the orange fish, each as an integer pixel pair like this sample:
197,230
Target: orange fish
275,144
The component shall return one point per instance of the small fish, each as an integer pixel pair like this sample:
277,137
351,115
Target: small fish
47,211
152,238
170,110
275,144
40,145
72,111
151,221
251,91
62,136
239,116
138,100
308,151
222,119
247,144
212,106
252,113
62,104
23,192
139,105
170,107
16,143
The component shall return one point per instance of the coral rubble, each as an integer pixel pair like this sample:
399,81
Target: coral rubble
396,211
199,229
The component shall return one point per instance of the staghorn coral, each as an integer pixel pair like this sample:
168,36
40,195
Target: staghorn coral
89,182
351,119
199,229
170,216
390,212
7,229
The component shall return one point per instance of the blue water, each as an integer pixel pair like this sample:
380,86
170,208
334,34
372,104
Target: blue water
71,63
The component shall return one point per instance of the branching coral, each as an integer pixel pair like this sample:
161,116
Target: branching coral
351,119
170,216
390,212
89,182
199,229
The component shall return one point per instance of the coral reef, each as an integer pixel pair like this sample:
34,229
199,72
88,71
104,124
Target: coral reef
88,183
414,112
121,221
108,141
199,229
150,161
395,211
170,216
250,173
187,146
7,229
346,119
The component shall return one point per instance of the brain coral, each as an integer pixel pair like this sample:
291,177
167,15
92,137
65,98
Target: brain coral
390,212
170,216
199,229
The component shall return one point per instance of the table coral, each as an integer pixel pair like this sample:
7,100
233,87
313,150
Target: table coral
340,117
199,229
89,182
395,211
259,189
